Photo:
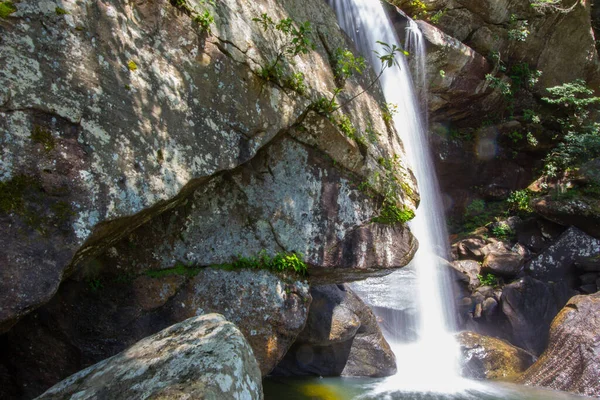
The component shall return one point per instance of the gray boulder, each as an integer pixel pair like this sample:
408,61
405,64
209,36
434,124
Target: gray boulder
557,261
341,337
203,357
501,260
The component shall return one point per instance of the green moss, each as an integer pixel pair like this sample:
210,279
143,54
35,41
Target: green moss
62,211
392,214
7,8
43,136
61,11
12,193
132,66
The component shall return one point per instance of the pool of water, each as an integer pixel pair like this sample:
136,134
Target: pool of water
383,389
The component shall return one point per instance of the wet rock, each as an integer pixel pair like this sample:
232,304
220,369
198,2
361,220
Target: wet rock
485,357
202,357
557,261
571,361
530,305
341,337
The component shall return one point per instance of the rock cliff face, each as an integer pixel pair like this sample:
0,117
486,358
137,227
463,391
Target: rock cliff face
114,113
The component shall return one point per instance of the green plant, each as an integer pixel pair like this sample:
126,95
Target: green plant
346,64
515,136
475,207
372,134
498,83
531,116
420,9
518,29
7,8
388,111
61,11
488,279
502,231
296,40
132,66
523,77
580,139
532,140
391,214
43,136
442,73
204,21
94,284
391,186
435,18
295,82
519,201
552,5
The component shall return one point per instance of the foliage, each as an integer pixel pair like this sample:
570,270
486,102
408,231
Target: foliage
435,18
531,116
552,5
519,201
204,21
518,29
390,213
488,279
580,133
523,77
475,207
498,83
502,231
7,8
346,64
296,40
420,9
389,110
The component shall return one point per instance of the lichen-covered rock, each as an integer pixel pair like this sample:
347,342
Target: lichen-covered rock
485,357
113,113
341,337
557,261
571,362
581,211
203,357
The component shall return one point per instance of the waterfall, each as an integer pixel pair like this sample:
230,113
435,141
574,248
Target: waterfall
430,359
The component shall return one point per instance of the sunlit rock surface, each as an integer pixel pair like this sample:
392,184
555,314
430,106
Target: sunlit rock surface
571,361
114,112
203,357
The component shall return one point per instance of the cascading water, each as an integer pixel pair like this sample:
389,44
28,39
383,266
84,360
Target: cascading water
434,352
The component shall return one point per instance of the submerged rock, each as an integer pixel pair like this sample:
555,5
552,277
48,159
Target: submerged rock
203,357
341,337
485,357
571,362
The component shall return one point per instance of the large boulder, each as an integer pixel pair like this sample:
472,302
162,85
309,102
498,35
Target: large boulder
582,211
91,320
502,261
530,305
341,337
485,357
558,260
96,146
571,362
203,357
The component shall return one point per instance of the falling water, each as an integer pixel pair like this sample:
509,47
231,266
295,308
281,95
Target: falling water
431,359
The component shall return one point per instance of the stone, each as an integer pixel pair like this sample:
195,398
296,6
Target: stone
589,288
85,324
120,146
202,357
589,277
501,261
470,268
582,211
530,305
557,261
485,357
471,248
341,338
571,362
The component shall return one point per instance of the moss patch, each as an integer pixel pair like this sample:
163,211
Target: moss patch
7,8
44,137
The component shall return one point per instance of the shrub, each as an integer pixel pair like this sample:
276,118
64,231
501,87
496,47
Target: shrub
488,279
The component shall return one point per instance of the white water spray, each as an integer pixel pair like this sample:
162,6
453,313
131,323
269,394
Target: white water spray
430,362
